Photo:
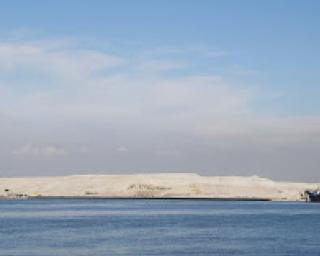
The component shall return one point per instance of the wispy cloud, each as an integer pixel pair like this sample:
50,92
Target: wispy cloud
39,150
53,59
47,78
43,79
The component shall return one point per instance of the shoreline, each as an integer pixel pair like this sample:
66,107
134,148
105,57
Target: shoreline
137,198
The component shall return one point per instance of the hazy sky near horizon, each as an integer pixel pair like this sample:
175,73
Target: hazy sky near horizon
213,87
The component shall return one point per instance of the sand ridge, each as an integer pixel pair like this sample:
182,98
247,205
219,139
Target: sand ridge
154,185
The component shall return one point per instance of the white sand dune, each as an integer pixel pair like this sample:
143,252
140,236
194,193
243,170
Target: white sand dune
154,185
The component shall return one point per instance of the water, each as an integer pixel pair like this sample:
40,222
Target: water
65,227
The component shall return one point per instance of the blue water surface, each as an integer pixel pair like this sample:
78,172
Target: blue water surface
67,227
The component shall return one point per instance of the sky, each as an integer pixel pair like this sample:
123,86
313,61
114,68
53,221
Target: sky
117,87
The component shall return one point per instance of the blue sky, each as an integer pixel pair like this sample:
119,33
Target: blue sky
193,76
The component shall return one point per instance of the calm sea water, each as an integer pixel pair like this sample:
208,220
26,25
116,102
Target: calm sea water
66,227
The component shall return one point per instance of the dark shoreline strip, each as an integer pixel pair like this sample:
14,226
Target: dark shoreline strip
144,198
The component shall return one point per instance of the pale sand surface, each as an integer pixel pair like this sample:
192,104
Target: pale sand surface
155,185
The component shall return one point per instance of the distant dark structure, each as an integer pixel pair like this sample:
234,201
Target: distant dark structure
313,196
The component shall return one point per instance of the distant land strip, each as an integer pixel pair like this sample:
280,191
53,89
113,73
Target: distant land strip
162,186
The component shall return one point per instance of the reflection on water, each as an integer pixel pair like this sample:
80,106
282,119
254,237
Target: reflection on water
157,227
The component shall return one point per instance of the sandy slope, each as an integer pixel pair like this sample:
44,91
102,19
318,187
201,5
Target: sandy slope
155,185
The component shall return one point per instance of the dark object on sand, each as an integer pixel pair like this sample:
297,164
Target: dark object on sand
313,196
